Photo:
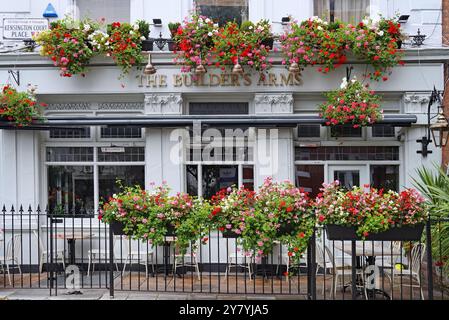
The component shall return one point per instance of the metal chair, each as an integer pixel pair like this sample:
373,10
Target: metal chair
12,254
44,254
96,255
142,256
187,259
412,274
234,256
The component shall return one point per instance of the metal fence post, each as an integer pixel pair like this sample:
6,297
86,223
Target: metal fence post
111,263
353,270
429,260
311,270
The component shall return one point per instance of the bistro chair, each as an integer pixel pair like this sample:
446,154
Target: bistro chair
284,259
188,259
97,255
142,255
411,274
44,254
246,259
11,258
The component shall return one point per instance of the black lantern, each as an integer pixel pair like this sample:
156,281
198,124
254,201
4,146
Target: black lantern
440,131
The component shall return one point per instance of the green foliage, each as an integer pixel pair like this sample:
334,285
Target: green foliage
144,28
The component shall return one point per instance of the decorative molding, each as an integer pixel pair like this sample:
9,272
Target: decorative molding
412,97
273,103
163,103
69,106
120,106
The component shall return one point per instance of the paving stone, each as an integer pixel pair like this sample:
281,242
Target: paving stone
230,297
149,296
254,297
173,297
199,296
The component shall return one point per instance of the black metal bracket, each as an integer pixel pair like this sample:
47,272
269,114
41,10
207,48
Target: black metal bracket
15,75
424,146
348,72
160,42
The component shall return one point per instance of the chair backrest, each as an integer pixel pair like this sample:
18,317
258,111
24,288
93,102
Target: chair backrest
417,256
13,247
38,236
321,257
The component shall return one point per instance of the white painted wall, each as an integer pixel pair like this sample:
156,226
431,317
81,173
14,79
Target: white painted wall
425,15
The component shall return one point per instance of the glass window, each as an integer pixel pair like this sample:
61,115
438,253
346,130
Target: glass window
346,132
70,154
121,154
218,177
222,11
380,153
385,177
128,175
192,179
309,131
310,178
110,10
204,108
383,131
347,178
70,190
350,11
75,133
121,132
248,177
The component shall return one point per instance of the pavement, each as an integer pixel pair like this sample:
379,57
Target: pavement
95,294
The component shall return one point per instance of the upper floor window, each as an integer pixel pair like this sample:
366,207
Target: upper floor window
109,10
350,11
222,11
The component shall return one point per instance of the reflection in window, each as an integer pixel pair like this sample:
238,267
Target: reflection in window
350,11
192,179
382,131
347,178
385,177
248,177
128,175
216,178
222,11
310,178
121,154
70,190
110,10
70,154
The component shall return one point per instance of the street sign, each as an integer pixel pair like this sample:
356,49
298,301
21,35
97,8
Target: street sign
23,28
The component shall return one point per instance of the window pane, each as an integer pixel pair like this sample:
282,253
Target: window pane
382,131
248,177
70,133
70,154
218,177
385,177
346,132
121,132
310,178
110,10
128,175
347,178
204,108
350,11
347,153
222,11
71,189
121,154
192,179
309,131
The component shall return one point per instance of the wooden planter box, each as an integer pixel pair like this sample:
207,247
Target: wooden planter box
404,233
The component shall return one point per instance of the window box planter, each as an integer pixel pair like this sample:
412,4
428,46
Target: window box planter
170,231
268,43
230,234
171,45
147,45
404,233
117,228
285,229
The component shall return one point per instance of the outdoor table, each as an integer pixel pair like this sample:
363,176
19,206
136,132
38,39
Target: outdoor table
166,254
368,249
71,238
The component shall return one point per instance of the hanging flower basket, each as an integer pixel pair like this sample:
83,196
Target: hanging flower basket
353,104
117,227
404,233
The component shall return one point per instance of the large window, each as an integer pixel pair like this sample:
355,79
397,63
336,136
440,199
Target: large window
110,10
351,11
222,11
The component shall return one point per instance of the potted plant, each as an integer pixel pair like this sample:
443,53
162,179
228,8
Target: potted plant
262,29
144,30
67,44
173,27
227,209
20,108
353,104
370,214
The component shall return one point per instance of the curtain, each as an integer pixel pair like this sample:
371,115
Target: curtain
351,11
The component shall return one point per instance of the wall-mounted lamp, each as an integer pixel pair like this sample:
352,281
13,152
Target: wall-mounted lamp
157,22
403,18
285,20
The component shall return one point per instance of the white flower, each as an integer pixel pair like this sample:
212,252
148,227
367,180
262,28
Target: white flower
320,28
250,27
86,27
380,33
215,25
209,34
131,32
136,27
207,20
142,38
106,43
200,20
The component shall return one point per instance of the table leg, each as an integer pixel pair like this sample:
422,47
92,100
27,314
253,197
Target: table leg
71,243
371,293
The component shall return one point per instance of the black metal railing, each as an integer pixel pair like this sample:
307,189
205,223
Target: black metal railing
72,253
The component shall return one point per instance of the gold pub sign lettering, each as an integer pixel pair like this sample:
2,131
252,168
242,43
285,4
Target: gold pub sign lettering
219,80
